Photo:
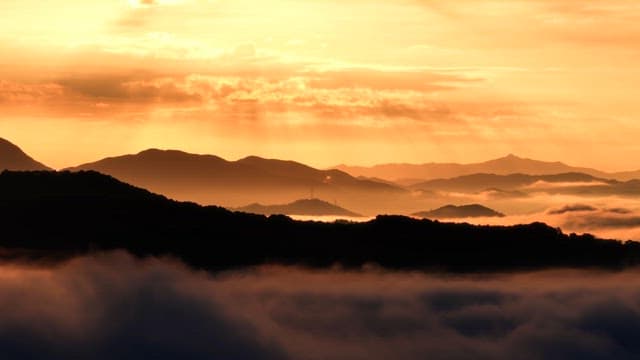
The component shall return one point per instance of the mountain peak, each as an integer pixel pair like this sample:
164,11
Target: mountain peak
253,158
13,158
155,151
170,154
150,151
462,211
309,207
511,157
6,145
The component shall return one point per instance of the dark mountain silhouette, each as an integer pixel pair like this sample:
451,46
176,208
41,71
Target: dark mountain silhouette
463,211
314,207
482,182
63,214
509,164
13,158
499,194
210,179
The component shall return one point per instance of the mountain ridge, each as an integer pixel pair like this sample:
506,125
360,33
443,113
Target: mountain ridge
209,179
483,181
13,157
87,212
506,165
458,212
523,185
307,207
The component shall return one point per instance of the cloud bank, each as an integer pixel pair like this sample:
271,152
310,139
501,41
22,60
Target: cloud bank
114,306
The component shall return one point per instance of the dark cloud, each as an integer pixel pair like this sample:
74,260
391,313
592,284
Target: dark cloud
584,217
112,306
621,211
283,93
605,221
107,309
135,89
571,208
408,316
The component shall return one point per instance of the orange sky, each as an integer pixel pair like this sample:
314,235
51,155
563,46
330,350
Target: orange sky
323,81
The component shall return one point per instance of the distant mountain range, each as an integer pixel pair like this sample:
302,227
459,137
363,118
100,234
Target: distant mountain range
510,164
178,165
480,182
210,179
310,207
457,212
58,215
521,185
13,158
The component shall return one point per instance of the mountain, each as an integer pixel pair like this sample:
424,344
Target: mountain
210,179
522,185
455,212
13,158
58,215
509,164
482,182
312,207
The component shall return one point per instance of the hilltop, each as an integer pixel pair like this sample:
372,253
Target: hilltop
13,158
63,214
311,207
463,211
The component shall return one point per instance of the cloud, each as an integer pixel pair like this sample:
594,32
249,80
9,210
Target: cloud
612,222
604,220
571,208
567,22
469,74
347,316
542,185
384,80
111,305
346,96
13,93
138,91
107,307
608,217
142,13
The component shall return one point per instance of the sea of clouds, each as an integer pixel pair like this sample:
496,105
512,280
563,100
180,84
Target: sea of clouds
115,306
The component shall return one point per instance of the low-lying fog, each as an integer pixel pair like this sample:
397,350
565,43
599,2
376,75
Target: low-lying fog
113,306
611,217
607,217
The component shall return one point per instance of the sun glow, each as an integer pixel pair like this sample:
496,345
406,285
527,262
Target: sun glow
406,81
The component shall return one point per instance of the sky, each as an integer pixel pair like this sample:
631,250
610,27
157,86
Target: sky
324,81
